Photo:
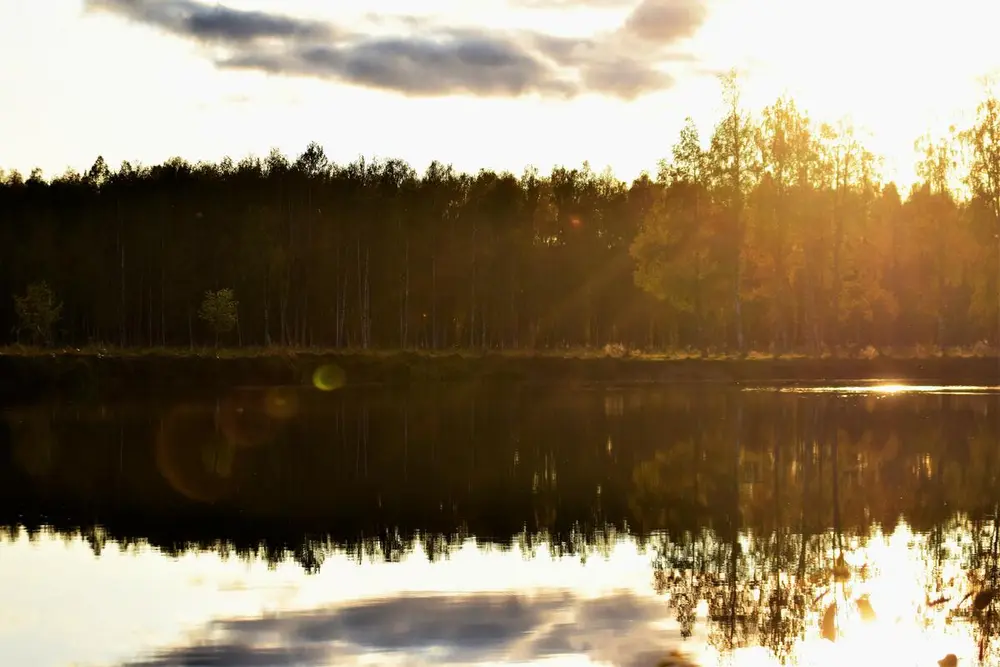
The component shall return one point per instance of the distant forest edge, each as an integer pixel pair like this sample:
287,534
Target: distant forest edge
780,236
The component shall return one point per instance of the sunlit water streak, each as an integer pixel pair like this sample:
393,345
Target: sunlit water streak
880,387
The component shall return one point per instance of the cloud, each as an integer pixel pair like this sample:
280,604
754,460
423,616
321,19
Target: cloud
215,23
450,64
427,60
625,78
443,629
566,4
666,20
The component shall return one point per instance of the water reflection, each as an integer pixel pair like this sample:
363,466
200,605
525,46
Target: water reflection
775,527
880,387
479,604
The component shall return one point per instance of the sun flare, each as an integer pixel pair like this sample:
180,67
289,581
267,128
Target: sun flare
881,614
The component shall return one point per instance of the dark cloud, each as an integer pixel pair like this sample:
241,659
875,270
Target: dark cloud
239,655
476,64
215,23
229,24
428,60
619,630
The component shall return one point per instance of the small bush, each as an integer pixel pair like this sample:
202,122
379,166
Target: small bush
37,312
615,350
869,352
981,349
219,311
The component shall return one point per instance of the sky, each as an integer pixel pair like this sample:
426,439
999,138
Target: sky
498,84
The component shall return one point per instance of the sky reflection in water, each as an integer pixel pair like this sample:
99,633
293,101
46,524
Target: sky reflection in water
62,605
479,605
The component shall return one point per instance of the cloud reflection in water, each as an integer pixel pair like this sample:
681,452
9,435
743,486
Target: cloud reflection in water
621,629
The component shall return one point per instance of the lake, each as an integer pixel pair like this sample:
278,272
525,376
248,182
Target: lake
462,524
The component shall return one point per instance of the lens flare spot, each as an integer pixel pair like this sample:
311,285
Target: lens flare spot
217,457
242,417
329,377
192,457
281,403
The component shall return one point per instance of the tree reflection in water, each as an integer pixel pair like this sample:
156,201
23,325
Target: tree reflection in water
772,519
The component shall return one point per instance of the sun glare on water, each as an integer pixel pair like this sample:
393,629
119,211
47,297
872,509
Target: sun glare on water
878,610
878,388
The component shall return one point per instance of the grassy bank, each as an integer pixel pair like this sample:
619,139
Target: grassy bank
27,373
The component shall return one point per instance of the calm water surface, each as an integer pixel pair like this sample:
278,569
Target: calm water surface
469,526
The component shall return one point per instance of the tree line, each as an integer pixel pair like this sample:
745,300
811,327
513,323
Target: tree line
777,233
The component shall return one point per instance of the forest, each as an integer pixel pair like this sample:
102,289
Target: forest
775,234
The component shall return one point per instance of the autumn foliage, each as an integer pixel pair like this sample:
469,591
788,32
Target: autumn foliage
774,234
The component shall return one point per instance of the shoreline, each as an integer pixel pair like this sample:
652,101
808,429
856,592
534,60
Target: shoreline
27,374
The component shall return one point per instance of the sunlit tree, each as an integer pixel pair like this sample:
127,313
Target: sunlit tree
219,310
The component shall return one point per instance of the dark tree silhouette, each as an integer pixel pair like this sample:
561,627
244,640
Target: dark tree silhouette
772,234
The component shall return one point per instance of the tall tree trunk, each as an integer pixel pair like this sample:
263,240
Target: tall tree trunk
283,310
267,308
121,279
163,281
434,321
361,294
472,300
368,303
149,314
406,296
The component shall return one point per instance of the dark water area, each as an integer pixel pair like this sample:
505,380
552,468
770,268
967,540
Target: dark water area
123,375
468,524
